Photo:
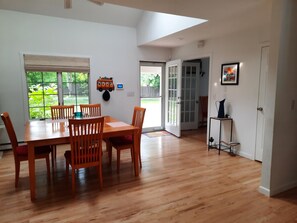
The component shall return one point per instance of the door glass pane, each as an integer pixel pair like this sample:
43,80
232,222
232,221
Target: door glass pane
172,83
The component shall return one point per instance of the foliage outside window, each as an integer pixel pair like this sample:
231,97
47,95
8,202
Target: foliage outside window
52,88
150,80
150,85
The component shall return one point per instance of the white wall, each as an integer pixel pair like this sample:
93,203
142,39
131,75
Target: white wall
280,151
113,51
241,100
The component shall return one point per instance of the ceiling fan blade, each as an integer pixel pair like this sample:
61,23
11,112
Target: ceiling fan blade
98,2
67,4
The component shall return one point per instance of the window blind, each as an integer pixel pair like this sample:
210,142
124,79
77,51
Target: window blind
56,63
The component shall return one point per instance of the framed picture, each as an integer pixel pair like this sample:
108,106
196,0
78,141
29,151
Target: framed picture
230,74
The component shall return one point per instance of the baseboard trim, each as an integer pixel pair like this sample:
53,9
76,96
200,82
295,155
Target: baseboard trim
264,190
278,190
283,188
245,155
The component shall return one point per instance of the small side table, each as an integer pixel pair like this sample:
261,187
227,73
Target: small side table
220,131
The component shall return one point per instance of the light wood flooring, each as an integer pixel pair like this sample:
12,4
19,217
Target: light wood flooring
180,181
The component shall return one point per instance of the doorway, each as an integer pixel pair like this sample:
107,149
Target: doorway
151,95
198,86
186,82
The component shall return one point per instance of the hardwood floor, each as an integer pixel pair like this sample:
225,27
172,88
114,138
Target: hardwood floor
180,181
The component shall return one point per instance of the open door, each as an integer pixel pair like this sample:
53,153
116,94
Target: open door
190,96
261,99
173,97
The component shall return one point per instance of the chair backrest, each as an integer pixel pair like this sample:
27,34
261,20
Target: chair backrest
62,111
10,130
203,105
138,117
86,141
90,110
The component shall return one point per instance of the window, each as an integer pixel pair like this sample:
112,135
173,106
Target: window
53,88
54,80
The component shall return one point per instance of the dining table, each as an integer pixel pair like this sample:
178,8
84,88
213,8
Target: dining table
54,132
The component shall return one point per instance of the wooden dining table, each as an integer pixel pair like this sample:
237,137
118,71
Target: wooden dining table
54,132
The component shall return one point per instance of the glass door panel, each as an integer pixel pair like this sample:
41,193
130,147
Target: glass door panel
151,95
173,96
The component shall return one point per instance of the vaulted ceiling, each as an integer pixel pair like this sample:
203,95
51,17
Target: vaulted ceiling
224,16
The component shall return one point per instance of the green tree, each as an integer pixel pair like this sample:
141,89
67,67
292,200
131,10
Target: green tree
38,100
150,80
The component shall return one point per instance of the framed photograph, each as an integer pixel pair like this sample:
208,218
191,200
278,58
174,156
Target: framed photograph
230,74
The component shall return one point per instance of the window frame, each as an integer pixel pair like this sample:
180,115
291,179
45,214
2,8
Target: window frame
47,63
60,93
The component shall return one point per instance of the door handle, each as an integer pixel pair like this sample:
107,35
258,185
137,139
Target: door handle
260,109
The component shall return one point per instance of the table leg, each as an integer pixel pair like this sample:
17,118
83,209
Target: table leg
209,133
31,160
136,152
109,150
220,138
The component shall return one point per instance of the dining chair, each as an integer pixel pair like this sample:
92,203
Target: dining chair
203,109
86,146
90,110
20,152
127,142
60,112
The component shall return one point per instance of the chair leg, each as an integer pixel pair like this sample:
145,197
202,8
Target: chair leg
118,160
132,154
139,155
109,151
139,159
100,176
67,168
73,180
48,168
54,155
17,172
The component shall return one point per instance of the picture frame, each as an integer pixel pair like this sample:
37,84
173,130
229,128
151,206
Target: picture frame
230,74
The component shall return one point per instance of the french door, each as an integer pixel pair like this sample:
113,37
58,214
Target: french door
173,97
190,95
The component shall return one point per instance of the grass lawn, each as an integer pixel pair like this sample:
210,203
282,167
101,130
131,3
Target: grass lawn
153,112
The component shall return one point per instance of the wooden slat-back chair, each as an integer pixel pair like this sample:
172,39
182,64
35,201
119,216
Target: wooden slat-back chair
60,112
20,152
90,110
86,146
127,142
203,109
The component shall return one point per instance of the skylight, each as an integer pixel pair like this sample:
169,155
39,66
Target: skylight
154,25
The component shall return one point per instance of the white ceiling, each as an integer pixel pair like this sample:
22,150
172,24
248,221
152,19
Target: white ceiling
224,16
